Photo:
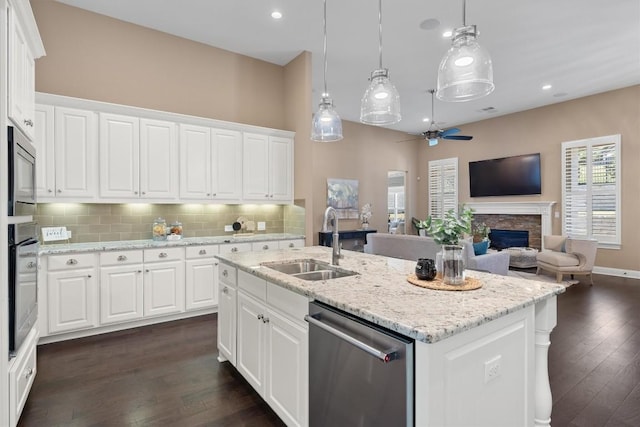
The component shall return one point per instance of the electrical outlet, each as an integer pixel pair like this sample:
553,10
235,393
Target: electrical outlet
262,225
492,369
228,228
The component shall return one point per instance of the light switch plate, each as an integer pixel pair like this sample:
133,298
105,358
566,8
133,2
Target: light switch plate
262,225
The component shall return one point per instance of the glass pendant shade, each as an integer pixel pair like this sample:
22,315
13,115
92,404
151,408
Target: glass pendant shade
326,125
381,102
466,71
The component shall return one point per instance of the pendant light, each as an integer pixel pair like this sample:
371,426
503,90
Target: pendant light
381,102
466,71
326,125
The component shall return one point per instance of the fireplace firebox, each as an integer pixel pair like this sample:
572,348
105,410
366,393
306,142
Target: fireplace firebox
502,239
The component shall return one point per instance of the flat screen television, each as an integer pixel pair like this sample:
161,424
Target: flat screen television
507,176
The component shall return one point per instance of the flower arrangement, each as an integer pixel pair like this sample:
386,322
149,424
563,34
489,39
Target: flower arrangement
450,229
481,232
365,213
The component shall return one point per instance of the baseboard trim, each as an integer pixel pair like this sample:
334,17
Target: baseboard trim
618,272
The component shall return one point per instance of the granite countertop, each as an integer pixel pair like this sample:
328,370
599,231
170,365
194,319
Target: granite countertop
55,249
381,294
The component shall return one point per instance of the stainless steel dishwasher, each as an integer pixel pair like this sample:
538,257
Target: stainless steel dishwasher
359,373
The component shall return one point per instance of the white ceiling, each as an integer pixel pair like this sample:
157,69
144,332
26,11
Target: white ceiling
580,47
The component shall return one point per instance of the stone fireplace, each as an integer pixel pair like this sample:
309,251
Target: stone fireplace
534,217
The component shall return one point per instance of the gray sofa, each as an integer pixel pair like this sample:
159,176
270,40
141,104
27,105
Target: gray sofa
413,247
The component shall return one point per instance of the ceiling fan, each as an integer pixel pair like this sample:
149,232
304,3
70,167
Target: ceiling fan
434,133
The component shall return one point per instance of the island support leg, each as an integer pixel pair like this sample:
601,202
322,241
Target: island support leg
546,320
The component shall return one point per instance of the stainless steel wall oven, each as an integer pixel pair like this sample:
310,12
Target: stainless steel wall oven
21,174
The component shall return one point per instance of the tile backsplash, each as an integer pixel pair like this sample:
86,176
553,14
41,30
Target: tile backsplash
109,222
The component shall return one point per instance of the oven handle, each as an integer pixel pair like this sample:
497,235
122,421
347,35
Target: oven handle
385,357
27,242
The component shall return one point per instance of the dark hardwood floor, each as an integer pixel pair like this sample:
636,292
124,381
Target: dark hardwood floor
168,375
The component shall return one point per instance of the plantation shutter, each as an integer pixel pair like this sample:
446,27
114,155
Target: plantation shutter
443,186
591,189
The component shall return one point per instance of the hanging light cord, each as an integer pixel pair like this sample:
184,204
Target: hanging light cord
380,30
325,49
464,13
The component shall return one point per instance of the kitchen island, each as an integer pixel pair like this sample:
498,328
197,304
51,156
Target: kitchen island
480,356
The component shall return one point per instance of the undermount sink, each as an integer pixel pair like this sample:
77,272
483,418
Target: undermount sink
309,269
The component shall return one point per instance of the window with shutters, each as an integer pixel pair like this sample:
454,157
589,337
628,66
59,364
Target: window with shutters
443,186
591,189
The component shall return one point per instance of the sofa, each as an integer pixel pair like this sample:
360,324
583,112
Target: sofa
412,247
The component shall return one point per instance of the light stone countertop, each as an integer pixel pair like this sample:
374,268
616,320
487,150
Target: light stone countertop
381,294
57,249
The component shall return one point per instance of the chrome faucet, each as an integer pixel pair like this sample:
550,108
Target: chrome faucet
335,236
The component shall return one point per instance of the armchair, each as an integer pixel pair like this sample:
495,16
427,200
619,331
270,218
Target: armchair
563,255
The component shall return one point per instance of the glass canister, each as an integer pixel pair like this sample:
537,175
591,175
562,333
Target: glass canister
159,230
175,229
452,265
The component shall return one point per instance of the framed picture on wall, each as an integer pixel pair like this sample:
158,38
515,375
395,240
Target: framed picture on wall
342,195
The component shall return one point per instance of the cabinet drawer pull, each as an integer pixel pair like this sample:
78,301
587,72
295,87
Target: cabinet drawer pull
163,255
225,290
31,264
225,273
265,320
146,271
292,245
135,192
202,252
28,373
144,192
234,249
265,247
59,191
89,276
122,258
49,190
139,271
72,261
28,122
260,317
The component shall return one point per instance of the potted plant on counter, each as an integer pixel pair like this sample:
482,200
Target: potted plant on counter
481,240
448,231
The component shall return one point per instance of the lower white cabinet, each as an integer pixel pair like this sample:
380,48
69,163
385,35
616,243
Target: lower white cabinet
121,286
227,304
164,290
201,277
22,373
272,340
72,293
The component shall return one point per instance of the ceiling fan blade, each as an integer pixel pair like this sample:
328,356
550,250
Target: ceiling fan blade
450,131
433,142
458,137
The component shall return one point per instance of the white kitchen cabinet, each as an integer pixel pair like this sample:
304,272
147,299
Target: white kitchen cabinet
264,246
121,286
22,373
138,158
232,248
72,293
267,168
43,141
22,51
76,154
201,277
227,308
291,243
272,340
210,164
164,286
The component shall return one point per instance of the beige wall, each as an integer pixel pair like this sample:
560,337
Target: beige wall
543,130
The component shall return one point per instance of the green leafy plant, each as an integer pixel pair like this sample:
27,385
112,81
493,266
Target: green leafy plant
450,229
481,232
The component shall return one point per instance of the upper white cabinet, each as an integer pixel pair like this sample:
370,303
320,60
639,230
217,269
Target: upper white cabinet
268,168
24,46
138,158
210,164
43,141
75,153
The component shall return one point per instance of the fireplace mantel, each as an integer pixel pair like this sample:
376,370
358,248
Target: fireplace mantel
544,209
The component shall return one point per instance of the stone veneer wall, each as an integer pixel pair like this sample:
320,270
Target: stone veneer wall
111,222
531,223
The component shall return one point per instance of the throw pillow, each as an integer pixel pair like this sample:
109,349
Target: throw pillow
480,248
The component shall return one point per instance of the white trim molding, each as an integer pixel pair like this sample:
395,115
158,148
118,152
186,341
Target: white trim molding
544,209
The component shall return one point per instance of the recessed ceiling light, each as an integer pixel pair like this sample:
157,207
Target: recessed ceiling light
276,15
447,34
546,87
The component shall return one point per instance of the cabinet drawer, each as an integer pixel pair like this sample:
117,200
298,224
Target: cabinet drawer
26,265
289,244
71,261
163,254
264,246
120,257
21,377
252,285
206,251
288,302
227,274
231,248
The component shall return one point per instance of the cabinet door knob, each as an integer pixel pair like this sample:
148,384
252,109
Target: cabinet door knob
122,258
162,255
265,320
260,317
271,195
139,271
266,195
214,194
202,252
31,264
225,290
234,249
49,190
225,273
146,271
28,373
72,261
28,122
291,245
144,192
135,192
59,191
89,276
265,247
208,194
